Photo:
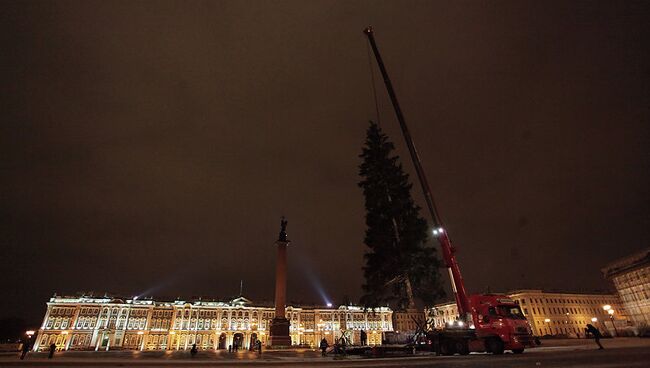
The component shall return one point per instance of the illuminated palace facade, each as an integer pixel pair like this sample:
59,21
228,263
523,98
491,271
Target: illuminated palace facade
105,323
554,313
631,277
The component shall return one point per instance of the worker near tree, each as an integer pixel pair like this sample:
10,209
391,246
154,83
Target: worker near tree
323,346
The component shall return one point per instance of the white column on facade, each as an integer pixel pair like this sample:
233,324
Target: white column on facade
68,340
171,328
40,333
126,320
99,340
189,329
75,317
196,326
146,328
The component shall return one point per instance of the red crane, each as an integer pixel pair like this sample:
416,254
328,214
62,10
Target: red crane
457,284
487,322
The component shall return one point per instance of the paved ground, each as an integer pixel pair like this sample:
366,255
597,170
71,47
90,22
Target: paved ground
622,352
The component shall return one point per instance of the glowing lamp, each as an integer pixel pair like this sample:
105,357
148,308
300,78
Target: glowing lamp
594,319
30,333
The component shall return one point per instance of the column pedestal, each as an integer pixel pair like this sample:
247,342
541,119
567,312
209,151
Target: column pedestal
280,332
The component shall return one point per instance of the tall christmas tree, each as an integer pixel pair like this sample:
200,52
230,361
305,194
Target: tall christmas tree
399,266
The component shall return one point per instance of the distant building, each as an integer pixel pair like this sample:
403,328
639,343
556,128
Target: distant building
406,322
631,277
104,323
552,313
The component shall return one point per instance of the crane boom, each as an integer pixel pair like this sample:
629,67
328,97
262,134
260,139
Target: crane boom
458,286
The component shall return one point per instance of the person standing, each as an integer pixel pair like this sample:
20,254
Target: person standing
323,346
25,349
596,333
52,350
364,338
259,346
193,351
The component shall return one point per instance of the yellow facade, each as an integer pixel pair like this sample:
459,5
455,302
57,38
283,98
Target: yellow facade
407,322
91,323
631,277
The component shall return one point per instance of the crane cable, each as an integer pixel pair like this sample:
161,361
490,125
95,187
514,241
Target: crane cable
372,79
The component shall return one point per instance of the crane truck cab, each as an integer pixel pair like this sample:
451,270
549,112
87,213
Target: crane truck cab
500,324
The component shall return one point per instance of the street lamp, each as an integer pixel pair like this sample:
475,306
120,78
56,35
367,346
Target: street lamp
611,316
608,308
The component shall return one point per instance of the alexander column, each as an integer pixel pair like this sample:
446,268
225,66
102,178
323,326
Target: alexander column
280,325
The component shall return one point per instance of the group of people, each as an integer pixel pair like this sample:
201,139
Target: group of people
257,346
27,346
193,351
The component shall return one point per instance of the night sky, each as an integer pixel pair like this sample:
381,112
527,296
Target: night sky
150,148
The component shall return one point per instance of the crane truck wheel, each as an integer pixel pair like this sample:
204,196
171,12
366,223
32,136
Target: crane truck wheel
495,345
518,351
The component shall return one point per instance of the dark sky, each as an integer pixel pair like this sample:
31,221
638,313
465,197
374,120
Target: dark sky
151,147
